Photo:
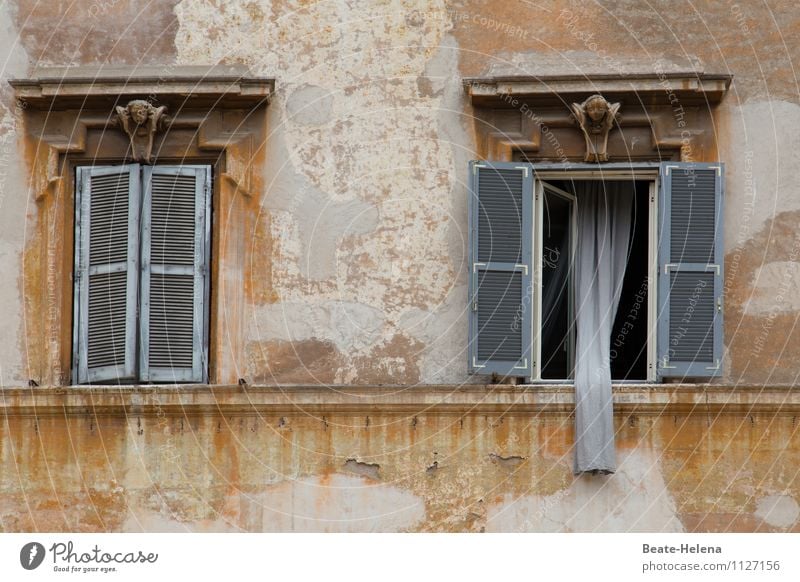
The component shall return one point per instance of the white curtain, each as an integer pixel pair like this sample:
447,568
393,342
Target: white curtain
604,224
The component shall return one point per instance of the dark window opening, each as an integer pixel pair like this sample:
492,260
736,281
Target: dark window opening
629,337
630,332
557,315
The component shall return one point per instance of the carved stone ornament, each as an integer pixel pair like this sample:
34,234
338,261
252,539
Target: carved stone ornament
595,116
141,120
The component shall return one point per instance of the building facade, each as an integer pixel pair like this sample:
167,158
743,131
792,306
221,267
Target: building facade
275,326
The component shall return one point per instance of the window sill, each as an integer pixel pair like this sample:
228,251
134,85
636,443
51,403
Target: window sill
197,399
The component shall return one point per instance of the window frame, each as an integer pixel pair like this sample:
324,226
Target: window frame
644,171
80,295
706,230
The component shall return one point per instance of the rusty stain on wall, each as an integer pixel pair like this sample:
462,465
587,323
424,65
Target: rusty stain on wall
233,473
88,31
364,196
355,242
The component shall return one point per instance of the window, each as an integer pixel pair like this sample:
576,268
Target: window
522,285
142,237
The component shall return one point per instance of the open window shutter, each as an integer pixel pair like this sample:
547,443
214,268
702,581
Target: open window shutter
501,218
690,272
106,272
174,287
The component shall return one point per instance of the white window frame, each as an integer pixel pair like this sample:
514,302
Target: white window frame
649,172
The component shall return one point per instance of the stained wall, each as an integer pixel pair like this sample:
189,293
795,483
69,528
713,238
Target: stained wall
356,270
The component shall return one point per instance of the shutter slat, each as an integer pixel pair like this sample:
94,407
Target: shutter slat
691,323
500,215
174,322
172,235
171,320
499,331
690,270
693,212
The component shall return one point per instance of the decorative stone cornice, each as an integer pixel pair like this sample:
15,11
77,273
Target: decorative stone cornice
181,87
647,88
649,116
188,400
80,116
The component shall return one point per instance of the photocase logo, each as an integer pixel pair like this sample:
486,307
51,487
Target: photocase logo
31,555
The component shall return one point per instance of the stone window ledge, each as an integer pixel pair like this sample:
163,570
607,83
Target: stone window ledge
197,399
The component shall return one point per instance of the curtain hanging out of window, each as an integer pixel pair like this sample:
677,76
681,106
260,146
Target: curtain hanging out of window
604,224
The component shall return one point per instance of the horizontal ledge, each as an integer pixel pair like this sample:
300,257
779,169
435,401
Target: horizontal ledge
439,399
646,87
60,88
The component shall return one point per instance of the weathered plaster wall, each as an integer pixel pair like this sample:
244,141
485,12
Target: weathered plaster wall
160,466
365,206
358,276
15,207
358,251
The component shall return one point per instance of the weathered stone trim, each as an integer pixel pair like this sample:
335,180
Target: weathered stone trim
700,399
92,87
664,116
708,88
206,125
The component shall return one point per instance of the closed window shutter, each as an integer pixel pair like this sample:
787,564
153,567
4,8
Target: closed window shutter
174,286
106,272
690,273
501,207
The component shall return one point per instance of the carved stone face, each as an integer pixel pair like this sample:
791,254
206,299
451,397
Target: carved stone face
139,112
596,109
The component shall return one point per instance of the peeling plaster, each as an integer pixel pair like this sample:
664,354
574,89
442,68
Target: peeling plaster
308,224
365,221
324,503
338,503
509,462
15,206
759,147
353,327
776,287
370,470
97,31
778,510
634,499
310,105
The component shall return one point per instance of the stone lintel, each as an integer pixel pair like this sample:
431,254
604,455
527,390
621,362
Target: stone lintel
100,87
647,88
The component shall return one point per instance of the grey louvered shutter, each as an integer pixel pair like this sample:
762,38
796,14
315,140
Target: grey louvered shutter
501,218
690,276
174,287
106,273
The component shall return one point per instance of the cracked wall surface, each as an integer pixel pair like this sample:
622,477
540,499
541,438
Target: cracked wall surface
357,274
394,473
359,247
370,133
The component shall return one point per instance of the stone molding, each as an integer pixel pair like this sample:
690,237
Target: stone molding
187,400
90,87
212,119
663,116
649,88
